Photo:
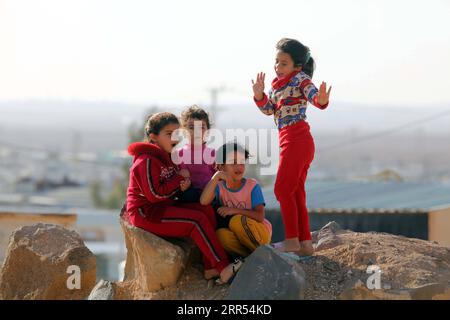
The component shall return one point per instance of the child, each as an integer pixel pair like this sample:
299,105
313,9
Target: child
195,157
154,180
241,203
287,101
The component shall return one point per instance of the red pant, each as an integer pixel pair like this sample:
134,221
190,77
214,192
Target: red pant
190,220
296,155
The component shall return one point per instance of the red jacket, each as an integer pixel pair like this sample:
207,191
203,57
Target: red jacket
153,180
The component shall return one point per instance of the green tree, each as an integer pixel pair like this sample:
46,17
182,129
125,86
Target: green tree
96,196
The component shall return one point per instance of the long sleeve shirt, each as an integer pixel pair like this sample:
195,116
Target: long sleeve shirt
154,180
200,162
288,98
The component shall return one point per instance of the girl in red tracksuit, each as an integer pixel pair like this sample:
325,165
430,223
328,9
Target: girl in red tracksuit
287,100
154,182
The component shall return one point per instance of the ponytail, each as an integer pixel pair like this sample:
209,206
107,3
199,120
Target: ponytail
309,67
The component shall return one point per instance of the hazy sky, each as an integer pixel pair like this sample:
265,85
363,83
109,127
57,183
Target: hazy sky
172,52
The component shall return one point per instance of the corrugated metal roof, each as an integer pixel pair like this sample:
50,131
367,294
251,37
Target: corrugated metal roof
85,216
354,196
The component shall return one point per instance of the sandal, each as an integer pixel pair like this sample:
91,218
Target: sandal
237,264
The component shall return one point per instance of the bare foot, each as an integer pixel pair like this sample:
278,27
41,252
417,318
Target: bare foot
211,273
306,248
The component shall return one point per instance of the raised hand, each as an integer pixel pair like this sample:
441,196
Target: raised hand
220,175
258,86
323,95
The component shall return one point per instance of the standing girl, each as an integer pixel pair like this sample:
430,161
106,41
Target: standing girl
287,100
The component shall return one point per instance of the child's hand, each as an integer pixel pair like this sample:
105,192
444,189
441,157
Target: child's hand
226,211
220,175
323,96
258,86
185,184
184,173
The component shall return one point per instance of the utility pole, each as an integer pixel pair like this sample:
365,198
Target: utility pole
214,102
76,145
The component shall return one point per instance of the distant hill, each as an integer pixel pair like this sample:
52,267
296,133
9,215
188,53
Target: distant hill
65,122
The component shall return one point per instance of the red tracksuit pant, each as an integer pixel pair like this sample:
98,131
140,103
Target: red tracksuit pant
190,220
296,155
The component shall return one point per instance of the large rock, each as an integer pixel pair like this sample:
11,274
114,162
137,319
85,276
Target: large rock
152,262
268,275
39,264
330,228
344,264
327,237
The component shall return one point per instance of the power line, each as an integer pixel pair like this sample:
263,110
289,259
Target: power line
387,132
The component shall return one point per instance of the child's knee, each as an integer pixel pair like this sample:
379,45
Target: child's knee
235,221
251,232
237,225
263,234
204,221
283,190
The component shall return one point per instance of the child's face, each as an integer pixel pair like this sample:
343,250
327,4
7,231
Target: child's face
284,65
201,126
235,165
163,139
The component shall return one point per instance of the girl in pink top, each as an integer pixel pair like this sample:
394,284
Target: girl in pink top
196,160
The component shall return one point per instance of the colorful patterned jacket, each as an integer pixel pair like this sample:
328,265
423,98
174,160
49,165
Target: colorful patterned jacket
288,99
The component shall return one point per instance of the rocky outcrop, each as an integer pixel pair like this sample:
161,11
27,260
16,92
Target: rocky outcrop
46,261
268,275
327,237
408,269
347,264
152,262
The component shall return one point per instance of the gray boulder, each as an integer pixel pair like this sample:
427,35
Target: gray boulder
104,290
268,275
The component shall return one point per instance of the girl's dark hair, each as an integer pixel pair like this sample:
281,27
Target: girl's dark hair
196,113
224,150
300,54
156,122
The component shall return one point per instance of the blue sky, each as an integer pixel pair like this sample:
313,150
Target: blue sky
172,52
